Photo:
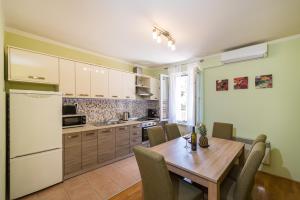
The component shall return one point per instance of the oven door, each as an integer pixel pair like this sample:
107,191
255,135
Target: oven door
145,134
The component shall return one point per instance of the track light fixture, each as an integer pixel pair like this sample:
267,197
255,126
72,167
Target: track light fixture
157,34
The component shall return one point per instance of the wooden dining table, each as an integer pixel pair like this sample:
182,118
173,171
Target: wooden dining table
206,166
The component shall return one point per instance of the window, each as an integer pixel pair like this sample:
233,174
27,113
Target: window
181,97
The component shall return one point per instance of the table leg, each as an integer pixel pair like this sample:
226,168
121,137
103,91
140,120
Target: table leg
213,191
242,158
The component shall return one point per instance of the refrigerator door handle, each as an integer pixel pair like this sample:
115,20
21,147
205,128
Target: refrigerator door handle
35,153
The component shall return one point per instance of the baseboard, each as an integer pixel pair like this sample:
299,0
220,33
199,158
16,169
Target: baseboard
281,177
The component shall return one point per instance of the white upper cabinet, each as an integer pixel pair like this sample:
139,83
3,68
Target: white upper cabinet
99,82
67,77
154,89
27,66
83,80
116,84
129,85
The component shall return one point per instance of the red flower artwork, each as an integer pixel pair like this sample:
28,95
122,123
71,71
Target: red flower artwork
240,83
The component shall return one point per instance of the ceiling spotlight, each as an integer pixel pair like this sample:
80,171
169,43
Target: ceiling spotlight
170,42
173,47
158,39
154,34
157,34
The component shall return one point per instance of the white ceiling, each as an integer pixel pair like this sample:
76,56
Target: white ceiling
123,28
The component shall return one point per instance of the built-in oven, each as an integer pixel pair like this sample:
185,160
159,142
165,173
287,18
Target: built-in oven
145,126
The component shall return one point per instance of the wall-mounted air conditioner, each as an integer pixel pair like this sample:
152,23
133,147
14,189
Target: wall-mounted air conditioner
245,53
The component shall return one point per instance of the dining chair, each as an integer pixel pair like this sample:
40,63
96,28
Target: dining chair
259,138
157,182
236,169
222,130
242,187
172,131
156,135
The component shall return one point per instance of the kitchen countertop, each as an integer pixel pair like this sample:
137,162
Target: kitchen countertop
91,127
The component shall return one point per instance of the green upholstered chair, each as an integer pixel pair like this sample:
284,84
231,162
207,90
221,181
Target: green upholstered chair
241,189
158,183
222,130
236,169
259,138
172,131
156,136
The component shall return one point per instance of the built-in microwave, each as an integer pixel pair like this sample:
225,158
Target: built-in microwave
70,121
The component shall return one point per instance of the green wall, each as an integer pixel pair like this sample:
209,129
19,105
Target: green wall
2,108
275,111
21,41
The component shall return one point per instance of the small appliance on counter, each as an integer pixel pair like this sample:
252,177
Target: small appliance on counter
125,116
152,113
70,117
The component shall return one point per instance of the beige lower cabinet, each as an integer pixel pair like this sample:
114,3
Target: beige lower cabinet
89,149
122,141
135,136
106,145
72,153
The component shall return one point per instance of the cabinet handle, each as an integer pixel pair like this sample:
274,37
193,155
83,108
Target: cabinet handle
106,131
127,97
99,95
72,136
37,77
83,95
89,134
68,94
114,96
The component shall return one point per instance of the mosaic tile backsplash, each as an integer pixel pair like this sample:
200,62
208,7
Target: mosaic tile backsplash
105,109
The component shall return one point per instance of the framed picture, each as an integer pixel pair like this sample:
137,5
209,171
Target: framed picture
240,83
222,85
264,81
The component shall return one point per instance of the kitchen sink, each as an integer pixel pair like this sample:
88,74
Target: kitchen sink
108,123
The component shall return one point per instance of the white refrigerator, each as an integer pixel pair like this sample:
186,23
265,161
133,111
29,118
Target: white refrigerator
35,141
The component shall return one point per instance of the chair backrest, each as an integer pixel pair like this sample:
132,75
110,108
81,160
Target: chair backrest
155,176
172,131
156,136
259,138
245,181
222,130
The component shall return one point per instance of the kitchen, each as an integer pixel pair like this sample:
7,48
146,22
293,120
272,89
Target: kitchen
102,118
149,100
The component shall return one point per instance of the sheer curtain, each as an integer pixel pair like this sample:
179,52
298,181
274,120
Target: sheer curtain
191,94
173,72
191,71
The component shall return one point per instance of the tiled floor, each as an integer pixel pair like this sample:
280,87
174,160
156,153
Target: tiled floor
99,184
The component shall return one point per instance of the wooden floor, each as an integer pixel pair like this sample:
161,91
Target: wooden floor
267,187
